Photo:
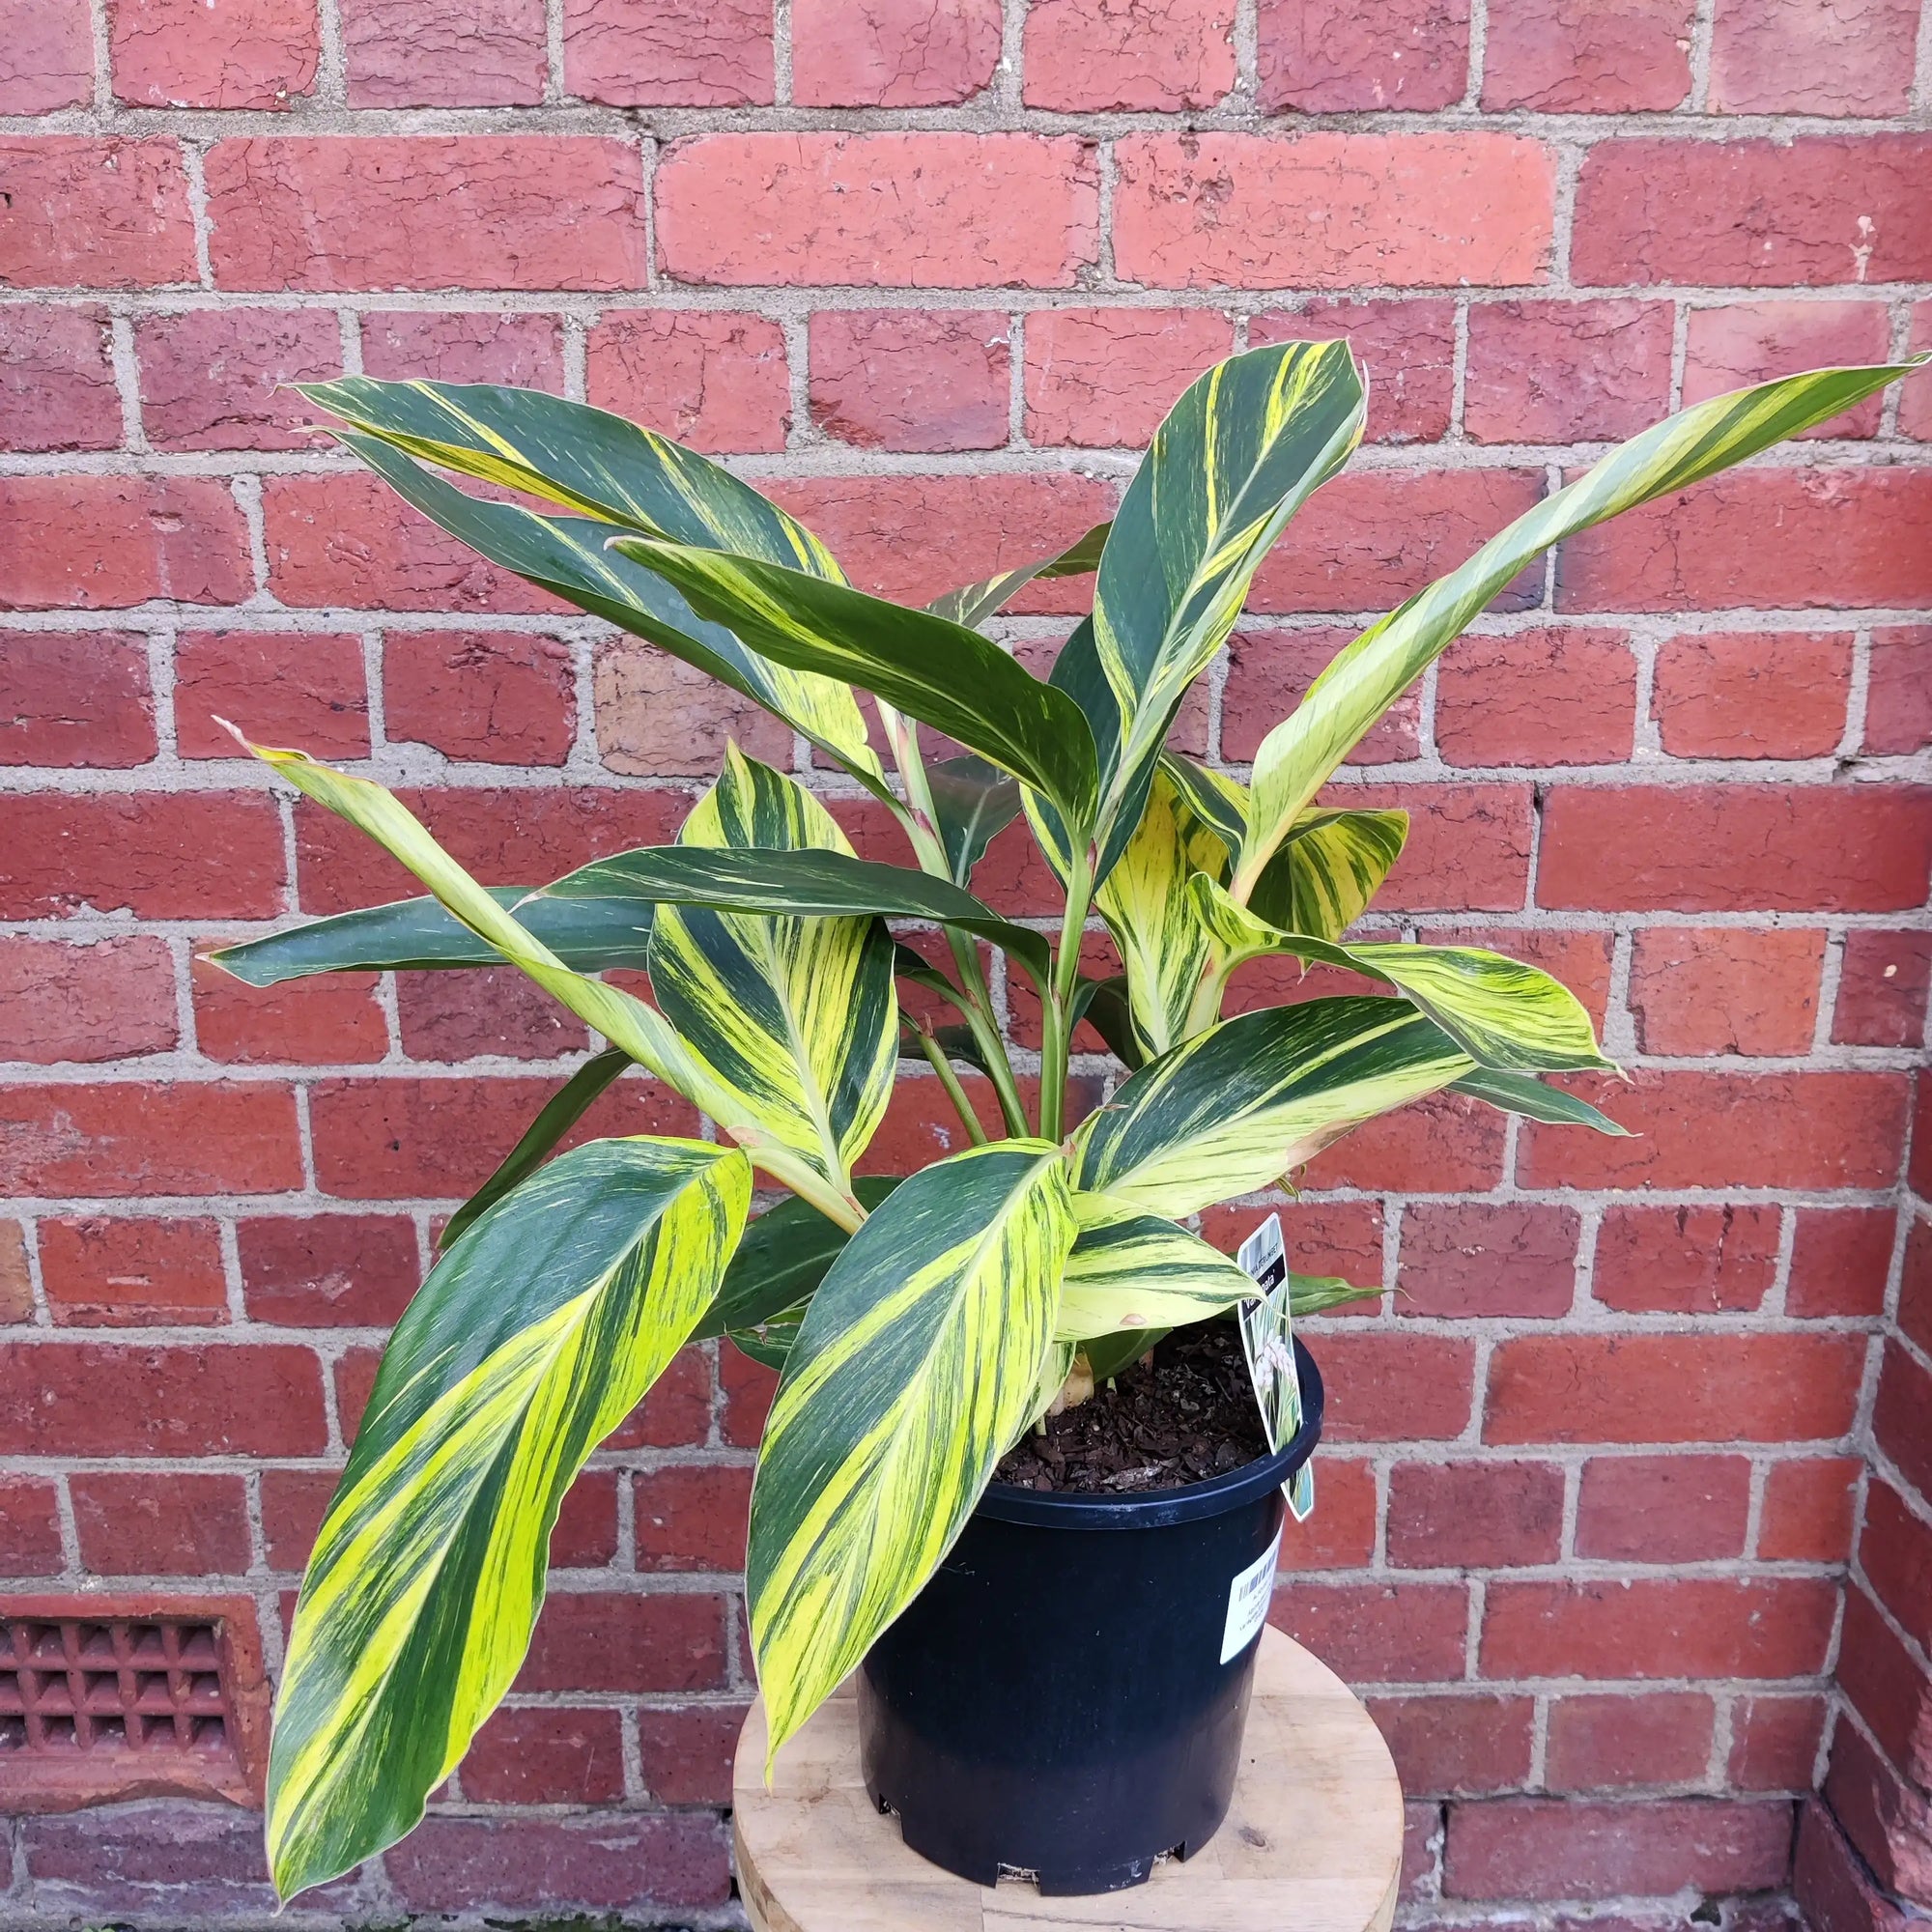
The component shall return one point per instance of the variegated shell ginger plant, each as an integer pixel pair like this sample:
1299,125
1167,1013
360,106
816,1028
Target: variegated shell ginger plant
920,1324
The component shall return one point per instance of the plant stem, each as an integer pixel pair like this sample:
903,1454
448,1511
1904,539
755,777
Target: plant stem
1057,1031
937,1060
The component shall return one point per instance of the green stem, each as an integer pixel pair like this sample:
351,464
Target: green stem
935,1056
1056,1031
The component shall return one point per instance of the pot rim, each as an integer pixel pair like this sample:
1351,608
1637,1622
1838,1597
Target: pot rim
1150,1508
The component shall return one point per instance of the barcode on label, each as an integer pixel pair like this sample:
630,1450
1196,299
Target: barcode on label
1248,1598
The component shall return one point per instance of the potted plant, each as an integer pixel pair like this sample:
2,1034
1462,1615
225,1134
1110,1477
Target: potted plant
1066,1701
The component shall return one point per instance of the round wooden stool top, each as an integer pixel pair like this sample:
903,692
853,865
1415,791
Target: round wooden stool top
1312,1842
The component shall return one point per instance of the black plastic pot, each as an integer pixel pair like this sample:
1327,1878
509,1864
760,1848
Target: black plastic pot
1056,1701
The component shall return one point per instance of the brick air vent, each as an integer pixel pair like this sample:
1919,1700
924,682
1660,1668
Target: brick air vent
122,1698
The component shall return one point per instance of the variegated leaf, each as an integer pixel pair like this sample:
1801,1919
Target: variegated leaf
972,604
537,1333
795,1017
1535,1099
1238,1105
973,803
1330,866
1131,1270
1298,757
916,1366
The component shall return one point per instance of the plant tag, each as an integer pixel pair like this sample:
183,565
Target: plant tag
1248,1598
1267,1339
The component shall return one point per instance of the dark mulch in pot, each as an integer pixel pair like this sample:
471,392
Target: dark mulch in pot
1186,1413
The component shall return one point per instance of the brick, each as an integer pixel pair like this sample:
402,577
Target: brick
181,53
557,1756
676,1414
1222,210
195,855
1889,1823
500,698
426,211
1774,1743
889,379
1381,1633
112,999
1662,1509
1723,989
1569,57
124,1272
344,539
522,350
57,388
1457,1746
1545,1848
1798,57
1889,1685
49,57
115,1398
1387,1387
431,53
446,1016
629,54
1896,1554
331,1020
70,698
92,542
215,379
1480,1258
692,1517
1914,1288
144,1859
1743,343
600,1641
1673,1388
891,53
401,1139
1340,1535
1268,674
1883,979
1316,60
95,1142
1371,539
16,1284
305,689
604,1862
658,717
686,1749
30,1532
93,213
1752,694
327,1270
178,1525
717,381
1769,1628
294,1502
586,1535
1754,214
1445,1144
1809,1506
1342,1237
1898,1423
1727,847
1102,378
1422,1828
1407,349
1096,56
1839,1262
1832,1882
1488,1516
1686,1260
1566,370
1600,1743
1565,696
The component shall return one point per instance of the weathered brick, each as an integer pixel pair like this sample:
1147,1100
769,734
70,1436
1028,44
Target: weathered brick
46,55
1340,1535
140,1859
1775,1742
1600,1743
523,350
1741,343
1888,1684
1895,1553
1268,674
686,1752
1478,1258
178,1524
1754,214
1662,1509
93,213
1565,696
1898,1414
1890,1823
1725,989
329,1020
118,1271
1103,378
658,717
214,379
1752,694
1685,1261
1407,349
681,54
1396,1387
692,1517
327,1270
1798,57
1569,57
1882,979
1839,1262
426,211
1380,1633
1566,370
1457,1744
16,1281
76,698
554,1757
1444,1144
1809,1507
30,1531
111,1000
303,689
445,1016
891,53
716,381
57,387
431,53
92,542
1317,60
1093,56
913,380
1219,211
1488,1515
182,53
501,697
598,1640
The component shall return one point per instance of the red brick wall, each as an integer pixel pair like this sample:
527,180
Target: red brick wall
931,270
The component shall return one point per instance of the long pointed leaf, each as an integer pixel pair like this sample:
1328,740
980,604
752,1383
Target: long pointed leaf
1524,1094
974,803
972,603
538,1332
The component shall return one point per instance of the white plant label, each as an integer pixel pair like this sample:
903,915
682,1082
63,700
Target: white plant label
1267,1339
1248,1598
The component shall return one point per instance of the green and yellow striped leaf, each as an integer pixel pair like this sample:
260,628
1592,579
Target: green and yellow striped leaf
1330,866
1238,1105
1535,1099
796,1018
1131,1270
567,555
1503,1013
937,671
533,1337
1297,758
916,1366
972,604
973,803
1213,797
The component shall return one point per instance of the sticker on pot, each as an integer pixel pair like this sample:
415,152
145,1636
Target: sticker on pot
1248,1598
1267,1339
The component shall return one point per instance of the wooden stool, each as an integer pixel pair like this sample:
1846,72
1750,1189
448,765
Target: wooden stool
1312,1842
